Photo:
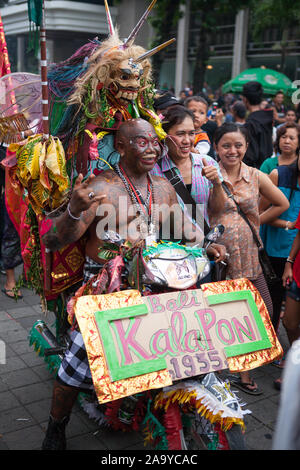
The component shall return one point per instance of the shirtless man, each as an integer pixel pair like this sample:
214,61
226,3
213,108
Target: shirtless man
140,149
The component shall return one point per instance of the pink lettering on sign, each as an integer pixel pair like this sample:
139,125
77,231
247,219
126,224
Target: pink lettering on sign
207,319
183,300
225,332
178,318
191,341
156,306
159,349
128,343
242,331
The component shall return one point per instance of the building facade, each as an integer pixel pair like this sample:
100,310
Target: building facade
71,23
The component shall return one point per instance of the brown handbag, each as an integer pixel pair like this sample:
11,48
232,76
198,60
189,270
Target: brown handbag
266,266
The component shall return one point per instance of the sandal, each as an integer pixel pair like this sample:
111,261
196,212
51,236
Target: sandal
277,384
245,387
13,296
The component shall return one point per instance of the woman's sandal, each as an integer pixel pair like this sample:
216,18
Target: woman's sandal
13,296
244,386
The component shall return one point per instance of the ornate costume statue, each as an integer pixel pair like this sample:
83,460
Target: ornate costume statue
90,94
100,86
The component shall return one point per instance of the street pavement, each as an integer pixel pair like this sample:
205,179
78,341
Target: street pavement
26,389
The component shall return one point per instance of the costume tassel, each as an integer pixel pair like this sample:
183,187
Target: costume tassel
154,432
204,408
173,426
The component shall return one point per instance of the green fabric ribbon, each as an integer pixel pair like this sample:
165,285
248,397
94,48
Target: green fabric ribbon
35,15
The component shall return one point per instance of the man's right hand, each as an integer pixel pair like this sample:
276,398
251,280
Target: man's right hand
84,196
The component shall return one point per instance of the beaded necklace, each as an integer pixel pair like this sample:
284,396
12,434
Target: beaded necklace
144,209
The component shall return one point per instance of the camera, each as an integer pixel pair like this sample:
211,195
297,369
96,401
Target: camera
215,106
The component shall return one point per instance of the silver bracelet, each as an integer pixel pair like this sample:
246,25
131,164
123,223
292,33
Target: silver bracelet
71,215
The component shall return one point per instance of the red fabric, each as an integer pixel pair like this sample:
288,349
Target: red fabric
66,265
296,266
4,60
173,426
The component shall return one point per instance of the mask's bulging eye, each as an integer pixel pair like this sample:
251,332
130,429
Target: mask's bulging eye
125,77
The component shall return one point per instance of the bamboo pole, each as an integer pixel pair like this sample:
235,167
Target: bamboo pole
43,64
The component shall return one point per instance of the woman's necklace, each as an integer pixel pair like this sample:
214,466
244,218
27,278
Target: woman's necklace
144,209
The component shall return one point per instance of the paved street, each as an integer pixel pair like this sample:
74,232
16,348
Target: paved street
26,388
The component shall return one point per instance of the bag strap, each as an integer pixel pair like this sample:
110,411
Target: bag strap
242,214
182,191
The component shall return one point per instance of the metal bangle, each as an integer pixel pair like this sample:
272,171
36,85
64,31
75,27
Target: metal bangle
71,215
290,260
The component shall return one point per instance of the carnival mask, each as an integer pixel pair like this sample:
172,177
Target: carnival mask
125,82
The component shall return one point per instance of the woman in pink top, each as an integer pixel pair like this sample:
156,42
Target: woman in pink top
246,184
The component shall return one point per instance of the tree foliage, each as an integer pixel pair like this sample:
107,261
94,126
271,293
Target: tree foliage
282,14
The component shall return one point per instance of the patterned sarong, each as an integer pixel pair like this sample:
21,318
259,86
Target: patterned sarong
74,369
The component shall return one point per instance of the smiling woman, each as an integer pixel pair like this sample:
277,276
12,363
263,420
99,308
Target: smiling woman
200,174
279,234
246,184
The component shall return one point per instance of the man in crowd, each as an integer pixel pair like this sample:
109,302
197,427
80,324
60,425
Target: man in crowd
139,148
259,125
239,112
163,100
279,108
289,117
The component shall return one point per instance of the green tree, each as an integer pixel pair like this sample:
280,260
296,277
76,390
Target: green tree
282,14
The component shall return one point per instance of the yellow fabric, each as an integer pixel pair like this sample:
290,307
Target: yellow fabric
41,169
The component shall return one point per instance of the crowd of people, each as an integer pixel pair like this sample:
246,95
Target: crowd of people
239,155
250,135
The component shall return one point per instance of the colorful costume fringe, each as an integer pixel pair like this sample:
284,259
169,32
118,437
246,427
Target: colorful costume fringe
195,396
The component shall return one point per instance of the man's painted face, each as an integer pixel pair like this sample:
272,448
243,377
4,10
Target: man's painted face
125,81
142,148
